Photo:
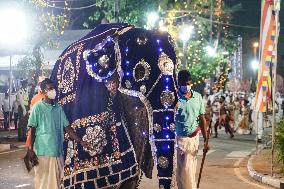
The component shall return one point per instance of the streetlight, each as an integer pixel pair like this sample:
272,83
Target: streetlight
152,18
254,64
14,28
185,35
210,51
13,32
255,44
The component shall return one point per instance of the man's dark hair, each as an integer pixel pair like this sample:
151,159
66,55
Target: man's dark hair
184,76
45,82
223,98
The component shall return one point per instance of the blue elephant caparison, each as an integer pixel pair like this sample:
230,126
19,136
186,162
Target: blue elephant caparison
118,89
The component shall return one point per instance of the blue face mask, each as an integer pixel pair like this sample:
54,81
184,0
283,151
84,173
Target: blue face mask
185,89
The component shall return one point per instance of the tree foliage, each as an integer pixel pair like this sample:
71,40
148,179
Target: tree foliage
175,15
130,11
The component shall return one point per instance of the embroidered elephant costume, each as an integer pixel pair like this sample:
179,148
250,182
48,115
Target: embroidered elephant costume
118,89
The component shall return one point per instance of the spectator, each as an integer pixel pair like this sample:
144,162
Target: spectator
6,108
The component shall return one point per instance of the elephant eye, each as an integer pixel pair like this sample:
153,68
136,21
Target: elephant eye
141,71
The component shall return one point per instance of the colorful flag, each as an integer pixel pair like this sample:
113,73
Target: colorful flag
269,32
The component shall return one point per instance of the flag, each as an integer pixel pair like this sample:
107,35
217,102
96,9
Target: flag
269,32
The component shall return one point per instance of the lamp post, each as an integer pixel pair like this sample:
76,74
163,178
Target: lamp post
255,63
185,36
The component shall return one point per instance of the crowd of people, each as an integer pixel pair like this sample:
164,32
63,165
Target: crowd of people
235,112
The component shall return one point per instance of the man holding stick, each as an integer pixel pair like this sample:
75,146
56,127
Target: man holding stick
190,121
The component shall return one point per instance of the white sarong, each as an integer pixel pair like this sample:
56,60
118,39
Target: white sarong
187,161
48,172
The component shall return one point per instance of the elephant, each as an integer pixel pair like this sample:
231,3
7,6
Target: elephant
117,86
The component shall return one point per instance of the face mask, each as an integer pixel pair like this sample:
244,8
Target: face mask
51,94
37,88
185,89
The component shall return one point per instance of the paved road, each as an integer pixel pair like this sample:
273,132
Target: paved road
225,167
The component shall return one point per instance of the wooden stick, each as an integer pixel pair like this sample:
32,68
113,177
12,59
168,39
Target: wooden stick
203,158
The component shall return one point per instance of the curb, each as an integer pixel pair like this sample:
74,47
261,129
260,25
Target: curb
265,179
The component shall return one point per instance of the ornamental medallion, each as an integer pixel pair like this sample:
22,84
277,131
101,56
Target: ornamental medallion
167,98
165,64
97,138
141,71
163,162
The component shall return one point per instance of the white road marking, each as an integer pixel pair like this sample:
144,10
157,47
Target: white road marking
10,151
238,154
22,185
200,152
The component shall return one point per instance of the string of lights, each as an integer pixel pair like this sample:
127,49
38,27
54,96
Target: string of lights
72,8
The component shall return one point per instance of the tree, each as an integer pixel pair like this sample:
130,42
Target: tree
174,15
129,11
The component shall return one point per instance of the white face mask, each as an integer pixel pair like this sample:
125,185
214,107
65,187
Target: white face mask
51,94
37,88
185,89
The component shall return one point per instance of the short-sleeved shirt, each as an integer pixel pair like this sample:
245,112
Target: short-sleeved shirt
187,114
6,106
15,106
49,122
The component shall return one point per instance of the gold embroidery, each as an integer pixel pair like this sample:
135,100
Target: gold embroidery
68,75
67,99
165,64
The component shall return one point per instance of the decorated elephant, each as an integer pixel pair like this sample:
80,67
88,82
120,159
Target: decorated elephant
118,89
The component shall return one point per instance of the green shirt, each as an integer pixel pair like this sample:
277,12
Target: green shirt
49,122
188,112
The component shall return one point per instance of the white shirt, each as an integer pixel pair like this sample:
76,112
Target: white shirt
5,104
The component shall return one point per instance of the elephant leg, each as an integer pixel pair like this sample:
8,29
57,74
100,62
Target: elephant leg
130,183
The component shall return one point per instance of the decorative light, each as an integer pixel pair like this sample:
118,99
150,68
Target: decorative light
109,39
